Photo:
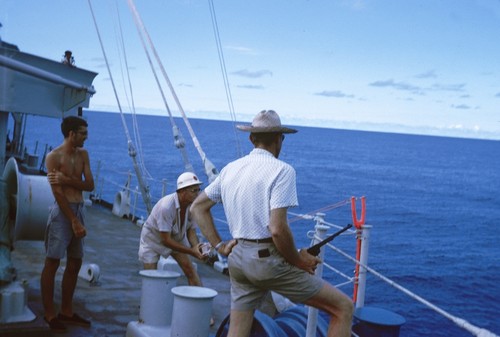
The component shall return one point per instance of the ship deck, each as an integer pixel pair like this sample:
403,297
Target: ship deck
112,302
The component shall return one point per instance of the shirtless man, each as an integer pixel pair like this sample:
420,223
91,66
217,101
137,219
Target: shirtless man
69,174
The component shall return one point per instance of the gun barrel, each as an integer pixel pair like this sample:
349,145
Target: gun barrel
315,249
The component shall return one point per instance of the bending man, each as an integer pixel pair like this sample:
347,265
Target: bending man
170,229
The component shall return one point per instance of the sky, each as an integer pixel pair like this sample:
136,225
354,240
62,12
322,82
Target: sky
409,66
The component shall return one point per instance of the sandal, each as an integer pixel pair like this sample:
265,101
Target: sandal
55,325
73,320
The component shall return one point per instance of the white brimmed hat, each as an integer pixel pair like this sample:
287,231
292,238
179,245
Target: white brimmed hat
187,179
266,121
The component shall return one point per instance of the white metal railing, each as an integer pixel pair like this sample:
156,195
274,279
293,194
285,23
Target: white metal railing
136,211
131,190
321,228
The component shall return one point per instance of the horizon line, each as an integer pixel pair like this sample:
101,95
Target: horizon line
327,124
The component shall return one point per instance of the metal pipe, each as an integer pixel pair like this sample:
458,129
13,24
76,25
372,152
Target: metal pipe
365,243
319,235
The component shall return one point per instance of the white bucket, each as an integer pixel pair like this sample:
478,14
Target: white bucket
156,297
192,303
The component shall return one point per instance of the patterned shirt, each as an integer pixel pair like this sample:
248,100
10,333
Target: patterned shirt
166,217
249,188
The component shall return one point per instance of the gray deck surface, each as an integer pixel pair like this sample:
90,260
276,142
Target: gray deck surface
112,244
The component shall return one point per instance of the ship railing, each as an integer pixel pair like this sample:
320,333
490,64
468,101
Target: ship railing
106,189
359,279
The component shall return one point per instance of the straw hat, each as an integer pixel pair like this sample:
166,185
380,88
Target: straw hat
266,121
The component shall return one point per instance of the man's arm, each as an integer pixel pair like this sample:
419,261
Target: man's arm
284,242
192,237
167,240
87,184
57,190
200,210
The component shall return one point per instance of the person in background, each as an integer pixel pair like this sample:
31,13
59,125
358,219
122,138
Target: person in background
68,58
170,229
69,173
256,192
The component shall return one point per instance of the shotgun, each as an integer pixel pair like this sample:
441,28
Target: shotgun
315,249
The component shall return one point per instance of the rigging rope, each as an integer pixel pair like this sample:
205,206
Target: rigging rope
178,139
224,76
131,149
210,169
323,209
135,124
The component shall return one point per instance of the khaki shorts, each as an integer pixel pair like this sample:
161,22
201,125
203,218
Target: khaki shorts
151,247
252,276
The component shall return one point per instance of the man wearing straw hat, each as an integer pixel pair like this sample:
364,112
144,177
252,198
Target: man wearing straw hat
256,192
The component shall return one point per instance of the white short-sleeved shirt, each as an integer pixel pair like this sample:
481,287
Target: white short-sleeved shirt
249,188
166,217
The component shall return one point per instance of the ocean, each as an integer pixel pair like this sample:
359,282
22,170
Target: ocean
432,202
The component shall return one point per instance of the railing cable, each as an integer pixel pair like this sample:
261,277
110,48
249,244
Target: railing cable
460,322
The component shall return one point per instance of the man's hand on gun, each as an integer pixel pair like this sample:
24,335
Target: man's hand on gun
308,262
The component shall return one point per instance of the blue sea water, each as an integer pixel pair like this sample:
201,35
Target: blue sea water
433,202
